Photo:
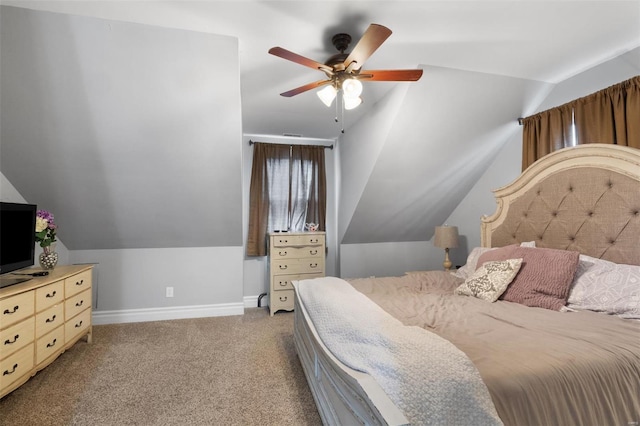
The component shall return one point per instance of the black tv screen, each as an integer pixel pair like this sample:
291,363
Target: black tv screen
17,236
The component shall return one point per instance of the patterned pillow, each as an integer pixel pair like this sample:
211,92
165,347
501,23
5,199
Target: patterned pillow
608,287
490,280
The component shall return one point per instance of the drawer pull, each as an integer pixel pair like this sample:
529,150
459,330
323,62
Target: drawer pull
80,282
49,295
284,241
11,342
313,241
313,252
313,265
7,372
283,267
8,312
283,299
78,325
52,319
52,344
284,283
79,303
282,253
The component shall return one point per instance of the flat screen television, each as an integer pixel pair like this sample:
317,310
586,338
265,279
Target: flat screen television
17,239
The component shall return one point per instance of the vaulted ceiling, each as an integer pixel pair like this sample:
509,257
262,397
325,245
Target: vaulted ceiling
409,154
532,39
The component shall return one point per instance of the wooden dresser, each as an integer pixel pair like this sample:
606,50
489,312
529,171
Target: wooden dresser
293,256
40,319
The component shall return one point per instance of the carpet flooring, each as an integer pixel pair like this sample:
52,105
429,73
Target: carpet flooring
236,370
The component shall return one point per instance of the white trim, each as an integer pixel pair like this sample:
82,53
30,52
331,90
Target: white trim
252,301
167,313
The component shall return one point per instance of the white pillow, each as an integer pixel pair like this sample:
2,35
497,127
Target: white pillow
603,286
490,280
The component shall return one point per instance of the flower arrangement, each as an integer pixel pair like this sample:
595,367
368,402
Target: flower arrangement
45,229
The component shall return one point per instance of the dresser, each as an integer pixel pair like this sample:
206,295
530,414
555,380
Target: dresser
293,256
40,319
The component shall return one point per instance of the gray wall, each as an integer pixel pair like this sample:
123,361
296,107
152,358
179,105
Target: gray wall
131,135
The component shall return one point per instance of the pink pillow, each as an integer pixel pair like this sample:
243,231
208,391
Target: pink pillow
545,277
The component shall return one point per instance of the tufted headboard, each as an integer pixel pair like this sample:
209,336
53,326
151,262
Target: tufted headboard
585,198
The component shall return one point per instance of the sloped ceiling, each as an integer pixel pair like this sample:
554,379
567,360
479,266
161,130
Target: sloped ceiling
446,131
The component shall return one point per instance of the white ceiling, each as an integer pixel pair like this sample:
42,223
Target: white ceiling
534,40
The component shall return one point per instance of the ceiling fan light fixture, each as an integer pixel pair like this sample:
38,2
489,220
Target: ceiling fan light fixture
352,88
351,103
327,95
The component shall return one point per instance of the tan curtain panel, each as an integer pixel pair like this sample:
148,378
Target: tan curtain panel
288,189
263,155
610,116
546,132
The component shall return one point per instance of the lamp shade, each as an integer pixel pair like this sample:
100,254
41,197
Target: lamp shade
352,88
446,237
327,95
351,103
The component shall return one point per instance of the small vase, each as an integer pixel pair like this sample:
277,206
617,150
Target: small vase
48,258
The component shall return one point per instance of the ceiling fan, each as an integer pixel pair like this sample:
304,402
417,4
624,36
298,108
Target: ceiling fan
344,70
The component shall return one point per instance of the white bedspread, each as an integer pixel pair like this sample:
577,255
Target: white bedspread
427,377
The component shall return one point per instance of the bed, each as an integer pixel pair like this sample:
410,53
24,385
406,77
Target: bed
540,326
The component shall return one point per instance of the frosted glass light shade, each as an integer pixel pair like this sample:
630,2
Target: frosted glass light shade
351,103
327,95
351,88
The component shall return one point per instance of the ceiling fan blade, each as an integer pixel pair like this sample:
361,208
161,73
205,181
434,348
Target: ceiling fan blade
294,57
369,43
390,75
304,88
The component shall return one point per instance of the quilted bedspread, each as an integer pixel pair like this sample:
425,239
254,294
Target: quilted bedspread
435,385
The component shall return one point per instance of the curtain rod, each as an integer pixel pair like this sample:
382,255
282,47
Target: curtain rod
324,146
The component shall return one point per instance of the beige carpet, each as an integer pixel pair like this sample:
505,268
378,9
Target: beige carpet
239,370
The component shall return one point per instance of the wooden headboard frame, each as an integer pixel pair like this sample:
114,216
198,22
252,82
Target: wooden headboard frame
585,198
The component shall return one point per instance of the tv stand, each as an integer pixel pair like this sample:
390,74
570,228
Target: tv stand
40,319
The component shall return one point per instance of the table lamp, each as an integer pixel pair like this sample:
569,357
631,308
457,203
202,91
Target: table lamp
446,237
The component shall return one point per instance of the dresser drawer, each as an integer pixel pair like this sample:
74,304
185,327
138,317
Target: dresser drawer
16,308
16,366
309,239
77,325
49,319
77,283
16,337
284,282
297,266
49,344
78,303
49,295
296,252
281,300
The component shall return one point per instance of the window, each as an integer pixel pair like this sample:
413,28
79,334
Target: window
288,189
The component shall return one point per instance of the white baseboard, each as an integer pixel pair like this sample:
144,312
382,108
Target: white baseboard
252,301
168,313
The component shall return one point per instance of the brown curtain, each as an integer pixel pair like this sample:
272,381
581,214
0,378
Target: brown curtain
610,116
546,132
288,189
263,155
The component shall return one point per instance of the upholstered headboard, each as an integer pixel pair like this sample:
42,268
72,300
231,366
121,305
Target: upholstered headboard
585,199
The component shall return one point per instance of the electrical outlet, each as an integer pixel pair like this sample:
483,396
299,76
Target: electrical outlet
169,292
